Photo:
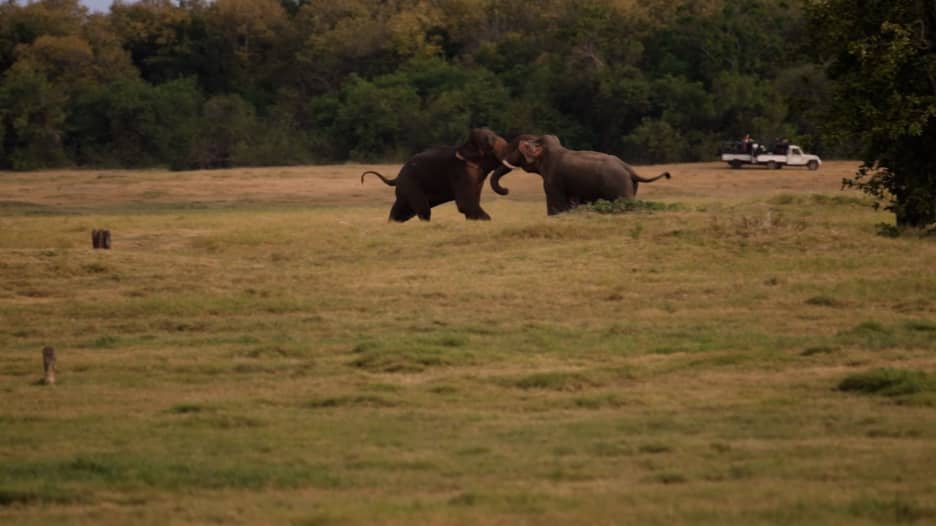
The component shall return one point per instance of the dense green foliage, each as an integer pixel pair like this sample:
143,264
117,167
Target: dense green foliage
245,82
882,55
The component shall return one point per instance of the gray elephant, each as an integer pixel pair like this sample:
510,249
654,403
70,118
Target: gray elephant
443,174
570,177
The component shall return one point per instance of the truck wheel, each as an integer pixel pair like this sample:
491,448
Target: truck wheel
771,165
812,165
780,166
735,164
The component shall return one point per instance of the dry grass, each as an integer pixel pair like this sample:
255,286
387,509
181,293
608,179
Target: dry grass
262,347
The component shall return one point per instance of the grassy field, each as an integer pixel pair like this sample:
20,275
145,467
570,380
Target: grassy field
261,347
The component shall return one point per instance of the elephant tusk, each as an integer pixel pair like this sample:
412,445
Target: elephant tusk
469,164
508,165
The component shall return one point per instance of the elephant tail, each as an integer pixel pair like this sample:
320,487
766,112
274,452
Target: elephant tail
651,179
388,182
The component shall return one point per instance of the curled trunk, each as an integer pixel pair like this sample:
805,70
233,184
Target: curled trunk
501,171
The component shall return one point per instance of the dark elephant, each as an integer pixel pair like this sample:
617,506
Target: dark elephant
570,177
446,173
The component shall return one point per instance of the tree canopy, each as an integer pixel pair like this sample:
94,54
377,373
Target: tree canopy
154,82
882,56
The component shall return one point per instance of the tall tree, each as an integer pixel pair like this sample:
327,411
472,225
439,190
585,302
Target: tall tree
882,54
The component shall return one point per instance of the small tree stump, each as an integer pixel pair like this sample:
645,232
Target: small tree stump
101,239
48,365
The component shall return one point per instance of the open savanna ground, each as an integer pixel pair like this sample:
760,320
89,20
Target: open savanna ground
261,347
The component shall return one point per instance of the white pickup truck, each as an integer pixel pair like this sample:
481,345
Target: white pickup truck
774,158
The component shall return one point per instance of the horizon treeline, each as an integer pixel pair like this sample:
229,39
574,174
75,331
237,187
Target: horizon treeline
195,84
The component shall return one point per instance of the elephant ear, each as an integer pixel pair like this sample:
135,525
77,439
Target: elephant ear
531,150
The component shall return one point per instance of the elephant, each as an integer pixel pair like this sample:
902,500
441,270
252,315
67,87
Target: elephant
570,177
443,174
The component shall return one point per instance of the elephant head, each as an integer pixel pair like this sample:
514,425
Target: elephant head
511,159
482,144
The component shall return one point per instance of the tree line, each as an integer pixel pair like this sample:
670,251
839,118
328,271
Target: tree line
197,84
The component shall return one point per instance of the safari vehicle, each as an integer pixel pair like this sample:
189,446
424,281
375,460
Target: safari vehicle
776,157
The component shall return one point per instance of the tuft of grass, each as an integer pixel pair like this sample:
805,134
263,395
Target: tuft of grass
611,449
177,474
443,389
819,349
623,206
838,200
871,334
412,355
95,268
555,381
187,409
823,200
103,342
598,402
670,478
413,360
351,401
920,326
898,510
888,230
890,382
465,499
540,231
785,199
871,327
824,301
655,448
46,495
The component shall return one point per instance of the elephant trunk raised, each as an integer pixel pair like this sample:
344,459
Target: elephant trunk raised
501,171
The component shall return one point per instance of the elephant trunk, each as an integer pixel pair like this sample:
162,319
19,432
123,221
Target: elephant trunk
501,171
388,182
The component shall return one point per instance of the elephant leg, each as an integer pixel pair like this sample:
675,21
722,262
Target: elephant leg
413,199
556,199
401,212
467,189
419,204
